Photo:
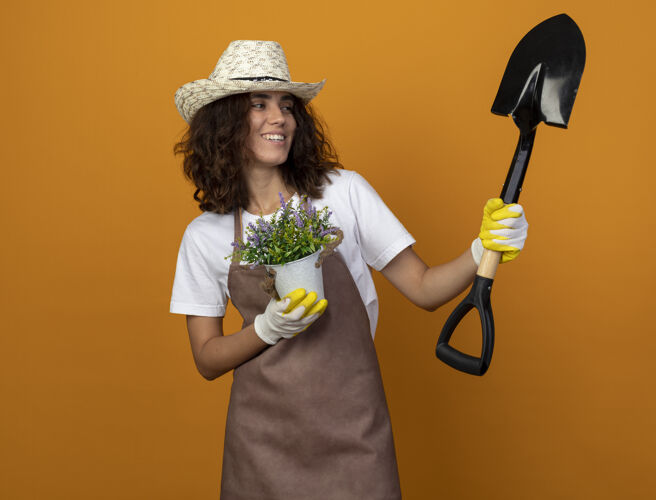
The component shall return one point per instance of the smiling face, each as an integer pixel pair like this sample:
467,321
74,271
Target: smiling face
272,127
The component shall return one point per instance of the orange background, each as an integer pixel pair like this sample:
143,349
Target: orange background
100,396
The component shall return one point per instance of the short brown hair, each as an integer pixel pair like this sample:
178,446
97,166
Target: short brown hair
214,149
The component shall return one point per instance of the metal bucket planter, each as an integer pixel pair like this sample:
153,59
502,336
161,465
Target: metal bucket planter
301,273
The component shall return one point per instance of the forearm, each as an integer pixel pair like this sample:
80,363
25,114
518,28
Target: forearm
223,353
440,284
430,287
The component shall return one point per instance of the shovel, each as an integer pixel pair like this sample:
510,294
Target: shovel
539,85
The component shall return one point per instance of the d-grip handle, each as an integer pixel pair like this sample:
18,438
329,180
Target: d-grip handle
479,298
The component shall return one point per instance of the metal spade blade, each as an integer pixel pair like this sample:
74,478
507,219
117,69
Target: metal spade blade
539,85
556,49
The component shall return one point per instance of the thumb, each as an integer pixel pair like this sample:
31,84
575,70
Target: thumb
492,204
281,305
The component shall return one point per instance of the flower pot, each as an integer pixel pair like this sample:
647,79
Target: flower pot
301,273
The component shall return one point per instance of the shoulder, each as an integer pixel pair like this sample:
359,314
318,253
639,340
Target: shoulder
349,186
210,223
342,182
211,232
340,178
347,196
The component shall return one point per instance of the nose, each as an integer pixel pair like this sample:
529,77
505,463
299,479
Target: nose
275,116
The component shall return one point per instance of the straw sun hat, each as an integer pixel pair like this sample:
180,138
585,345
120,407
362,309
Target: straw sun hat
245,66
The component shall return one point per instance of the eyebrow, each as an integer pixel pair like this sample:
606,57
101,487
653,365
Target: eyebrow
286,97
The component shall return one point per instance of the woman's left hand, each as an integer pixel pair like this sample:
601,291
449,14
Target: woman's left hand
504,229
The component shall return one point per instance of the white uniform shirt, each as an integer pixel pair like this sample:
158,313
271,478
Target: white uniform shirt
373,236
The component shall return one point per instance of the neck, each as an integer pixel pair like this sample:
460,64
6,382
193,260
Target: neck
264,184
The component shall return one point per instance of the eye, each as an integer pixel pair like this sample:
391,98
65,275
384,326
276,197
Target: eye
257,105
287,108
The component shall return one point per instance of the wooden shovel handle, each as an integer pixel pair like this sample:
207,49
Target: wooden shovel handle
489,262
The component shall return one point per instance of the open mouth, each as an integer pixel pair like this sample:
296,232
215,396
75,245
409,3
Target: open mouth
274,137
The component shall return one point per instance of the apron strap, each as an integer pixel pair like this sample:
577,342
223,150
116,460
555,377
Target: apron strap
238,231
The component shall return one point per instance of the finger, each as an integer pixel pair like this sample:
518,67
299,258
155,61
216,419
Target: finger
491,236
488,226
309,299
516,223
302,324
317,308
295,299
296,314
509,255
498,246
502,234
492,204
508,212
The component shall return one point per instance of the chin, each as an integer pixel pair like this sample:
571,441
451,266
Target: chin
270,161
276,162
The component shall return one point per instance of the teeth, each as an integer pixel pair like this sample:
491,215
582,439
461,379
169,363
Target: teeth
274,137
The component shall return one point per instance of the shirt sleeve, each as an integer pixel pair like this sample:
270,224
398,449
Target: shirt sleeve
381,235
197,286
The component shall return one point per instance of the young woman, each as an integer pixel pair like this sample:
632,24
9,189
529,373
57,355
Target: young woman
307,417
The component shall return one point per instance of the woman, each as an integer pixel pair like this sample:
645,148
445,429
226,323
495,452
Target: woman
307,417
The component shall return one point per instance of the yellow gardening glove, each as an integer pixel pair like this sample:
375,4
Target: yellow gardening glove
504,229
298,298
289,316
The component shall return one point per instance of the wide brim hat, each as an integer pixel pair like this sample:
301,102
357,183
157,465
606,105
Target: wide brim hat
245,66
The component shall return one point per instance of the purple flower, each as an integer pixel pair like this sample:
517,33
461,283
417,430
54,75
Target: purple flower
299,221
264,226
307,207
254,238
238,245
327,231
282,201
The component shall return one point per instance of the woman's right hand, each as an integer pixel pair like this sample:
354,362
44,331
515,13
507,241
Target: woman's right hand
289,316
504,229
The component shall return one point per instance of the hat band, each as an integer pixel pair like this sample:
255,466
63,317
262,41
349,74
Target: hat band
261,79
